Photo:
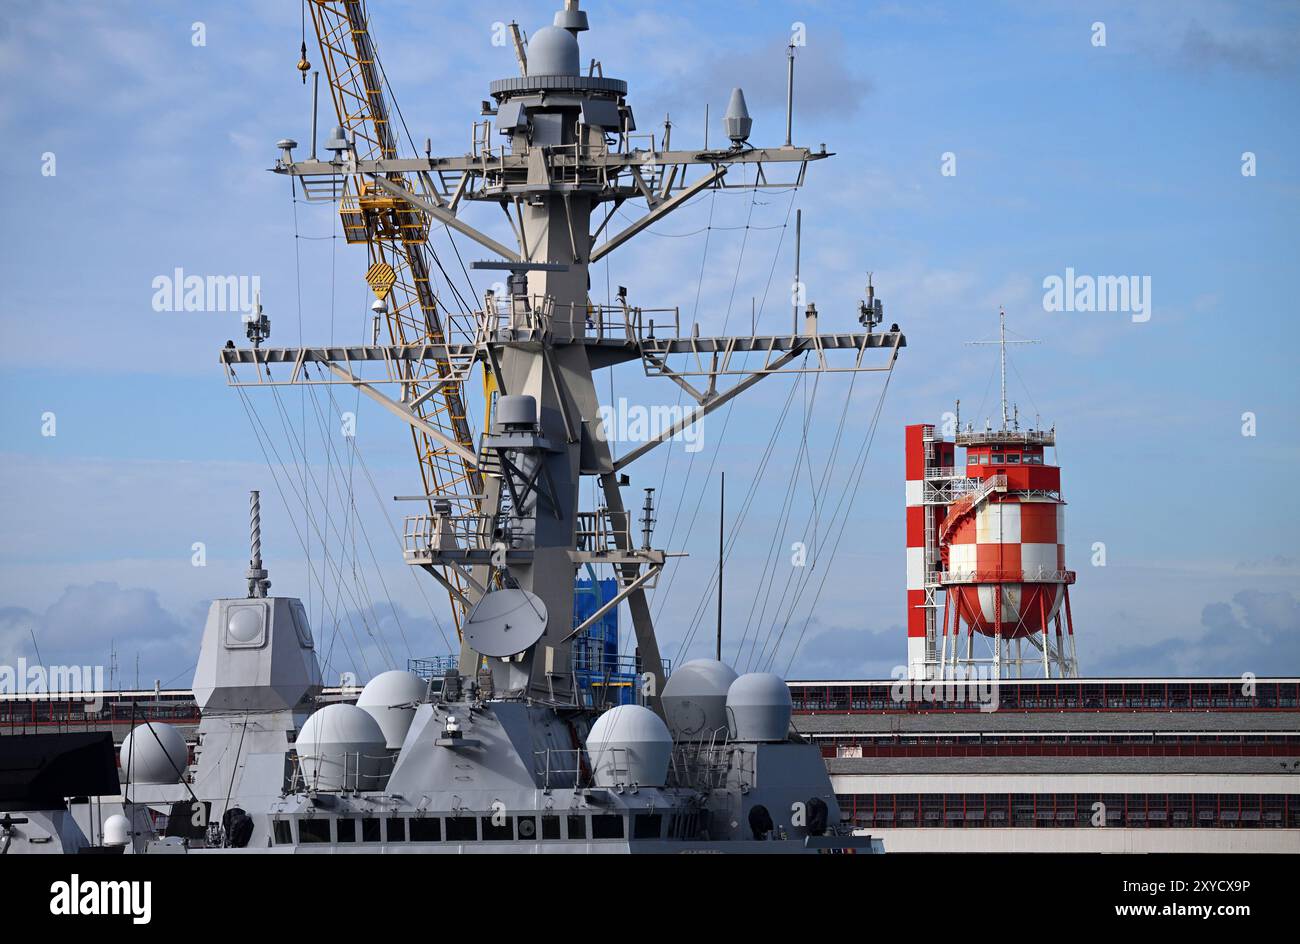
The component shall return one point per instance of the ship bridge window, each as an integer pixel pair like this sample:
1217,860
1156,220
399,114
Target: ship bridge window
981,459
496,828
425,829
347,829
1013,458
647,826
577,827
370,829
314,830
550,827
397,829
607,826
998,458
462,829
282,829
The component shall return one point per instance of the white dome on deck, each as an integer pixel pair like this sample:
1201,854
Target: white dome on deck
390,698
629,744
695,699
758,707
340,747
154,753
117,830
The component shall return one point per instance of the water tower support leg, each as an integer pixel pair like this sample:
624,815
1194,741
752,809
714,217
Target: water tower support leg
997,630
1042,621
949,615
1069,627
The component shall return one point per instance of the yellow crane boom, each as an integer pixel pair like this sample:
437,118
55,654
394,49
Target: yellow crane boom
396,236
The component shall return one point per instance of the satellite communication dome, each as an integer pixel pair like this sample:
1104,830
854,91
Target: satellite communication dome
390,698
629,744
758,707
340,747
695,699
117,831
553,51
154,753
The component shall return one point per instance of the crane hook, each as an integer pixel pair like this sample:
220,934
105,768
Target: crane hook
303,65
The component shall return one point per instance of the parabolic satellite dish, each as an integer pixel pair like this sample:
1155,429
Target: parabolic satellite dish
505,622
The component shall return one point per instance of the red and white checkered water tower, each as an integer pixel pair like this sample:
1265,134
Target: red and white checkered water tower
987,587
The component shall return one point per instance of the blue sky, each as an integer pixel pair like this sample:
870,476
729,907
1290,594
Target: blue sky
1117,160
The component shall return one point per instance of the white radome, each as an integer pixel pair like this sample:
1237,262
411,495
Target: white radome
154,753
117,831
553,51
390,698
759,707
629,744
341,747
695,699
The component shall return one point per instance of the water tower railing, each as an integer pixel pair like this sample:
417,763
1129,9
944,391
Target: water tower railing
1001,575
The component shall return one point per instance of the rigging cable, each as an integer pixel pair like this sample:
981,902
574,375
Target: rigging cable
265,440
297,266
354,457
749,497
661,598
342,558
851,492
255,421
773,554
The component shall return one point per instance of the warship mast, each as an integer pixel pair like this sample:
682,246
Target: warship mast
569,148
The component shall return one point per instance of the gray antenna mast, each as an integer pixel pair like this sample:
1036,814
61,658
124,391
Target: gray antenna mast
258,583
505,511
1002,343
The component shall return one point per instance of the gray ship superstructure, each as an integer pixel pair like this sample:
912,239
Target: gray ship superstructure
442,766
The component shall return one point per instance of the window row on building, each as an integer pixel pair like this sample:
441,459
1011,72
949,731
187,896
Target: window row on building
45,710
1064,737
1053,745
1048,695
1072,810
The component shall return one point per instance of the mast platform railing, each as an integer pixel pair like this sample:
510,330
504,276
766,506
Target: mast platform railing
425,538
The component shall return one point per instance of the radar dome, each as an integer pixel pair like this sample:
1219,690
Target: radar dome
117,830
390,698
629,744
553,51
695,699
758,707
340,747
154,753
517,410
